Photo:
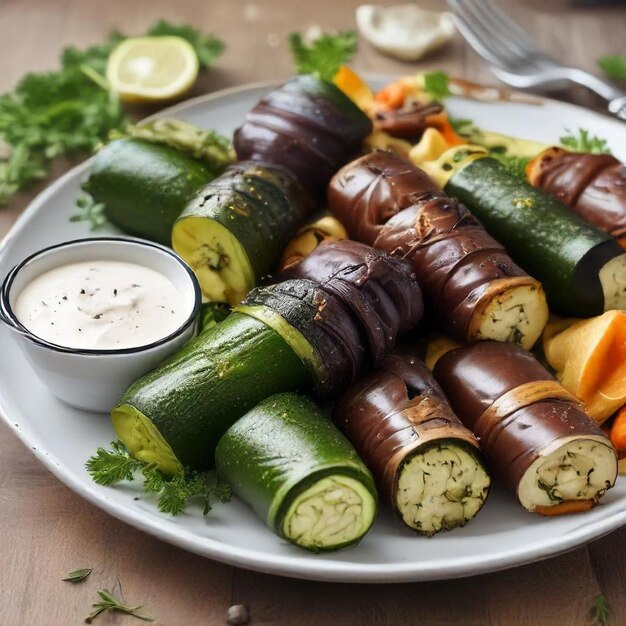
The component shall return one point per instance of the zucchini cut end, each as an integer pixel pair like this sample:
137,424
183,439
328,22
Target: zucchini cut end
574,469
515,315
143,440
217,258
439,487
613,281
293,337
334,512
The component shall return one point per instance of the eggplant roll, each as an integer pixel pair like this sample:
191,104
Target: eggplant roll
592,185
294,335
235,228
380,292
309,126
535,435
348,302
474,288
299,474
427,465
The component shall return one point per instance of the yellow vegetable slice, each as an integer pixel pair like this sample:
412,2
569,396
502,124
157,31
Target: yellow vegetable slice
589,357
152,69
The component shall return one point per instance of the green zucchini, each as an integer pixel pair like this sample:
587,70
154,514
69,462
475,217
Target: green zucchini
174,416
581,268
211,314
145,186
234,229
299,474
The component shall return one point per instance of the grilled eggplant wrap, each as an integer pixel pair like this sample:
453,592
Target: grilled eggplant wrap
309,126
592,185
581,268
427,465
144,187
371,284
535,435
296,334
299,474
473,287
233,231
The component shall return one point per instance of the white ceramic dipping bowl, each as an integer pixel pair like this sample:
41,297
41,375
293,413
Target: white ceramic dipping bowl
94,380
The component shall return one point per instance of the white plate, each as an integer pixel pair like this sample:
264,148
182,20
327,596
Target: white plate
503,535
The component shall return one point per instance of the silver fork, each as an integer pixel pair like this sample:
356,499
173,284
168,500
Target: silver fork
517,60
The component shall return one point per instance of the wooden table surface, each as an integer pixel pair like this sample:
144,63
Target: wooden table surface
46,530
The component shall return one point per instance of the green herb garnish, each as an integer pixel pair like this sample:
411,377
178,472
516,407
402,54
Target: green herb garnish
584,142
613,65
437,85
109,467
325,55
110,603
515,165
69,111
207,47
463,126
600,610
89,211
78,575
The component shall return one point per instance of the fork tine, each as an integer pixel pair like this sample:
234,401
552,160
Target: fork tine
490,35
508,31
475,34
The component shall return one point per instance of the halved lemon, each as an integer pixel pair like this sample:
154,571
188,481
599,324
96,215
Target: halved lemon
150,69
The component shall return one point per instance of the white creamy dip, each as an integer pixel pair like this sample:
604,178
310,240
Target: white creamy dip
103,305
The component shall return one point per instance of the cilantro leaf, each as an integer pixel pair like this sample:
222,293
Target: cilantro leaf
207,47
584,142
324,55
614,66
437,85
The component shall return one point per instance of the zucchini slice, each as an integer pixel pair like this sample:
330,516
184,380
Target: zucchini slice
145,186
299,474
581,268
175,415
235,228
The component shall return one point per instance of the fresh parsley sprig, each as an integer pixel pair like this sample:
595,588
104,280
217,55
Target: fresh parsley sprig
614,66
584,142
325,55
207,47
515,165
108,602
109,467
437,85
70,111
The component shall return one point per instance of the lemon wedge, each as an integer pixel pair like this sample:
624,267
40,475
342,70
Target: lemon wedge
151,69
